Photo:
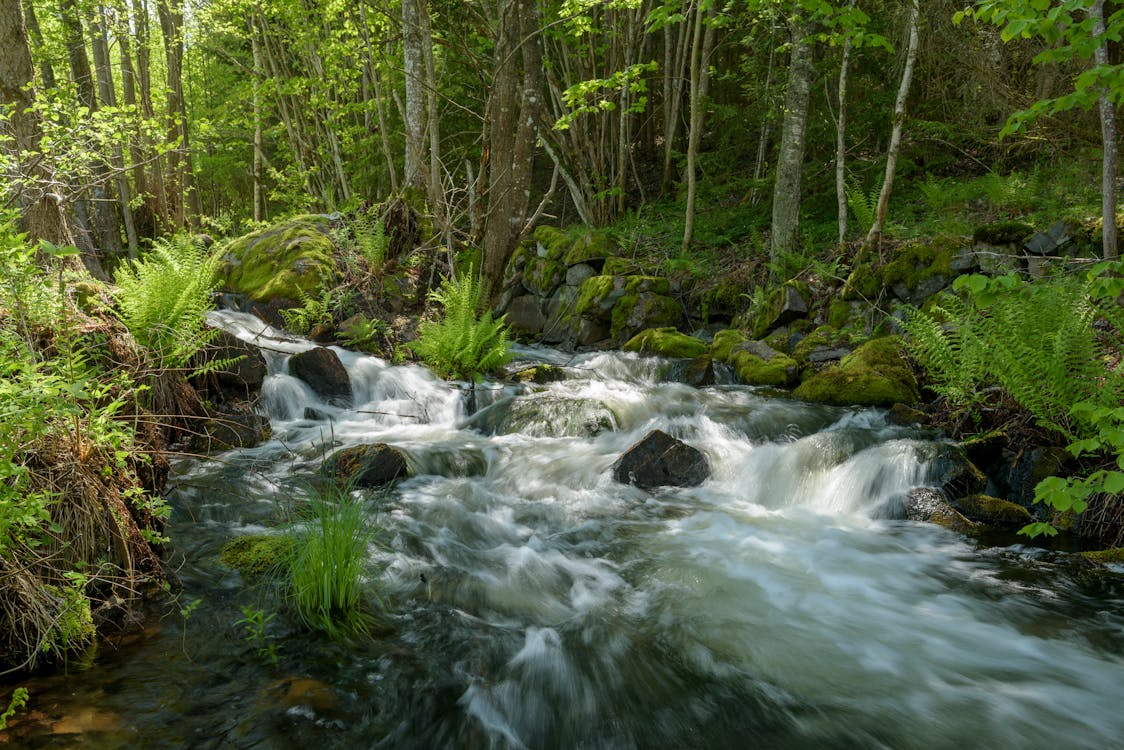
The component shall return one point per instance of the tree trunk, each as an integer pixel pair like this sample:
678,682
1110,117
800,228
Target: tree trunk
841,136
414,59
42,214
700,63
433,125
258,210
874,236
514,106
46,70
107,95
790,160
180,194
1109,143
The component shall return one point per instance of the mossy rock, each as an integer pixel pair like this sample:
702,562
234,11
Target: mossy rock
290,260
863,283
667,342
788,303
921,268
724,344
1112,556
542,276
635,312
591,247
929,506
821,337
539,374
257,555
761,365
1002,233
599,295
553,243
875,374
990,510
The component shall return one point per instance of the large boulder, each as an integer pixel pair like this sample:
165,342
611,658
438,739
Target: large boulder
667,342
875,374
784,305
370,465
992,511
289,260
322,370
546,415
921,268
660,460
757,363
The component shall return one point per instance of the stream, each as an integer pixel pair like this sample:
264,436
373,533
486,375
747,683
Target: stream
530,601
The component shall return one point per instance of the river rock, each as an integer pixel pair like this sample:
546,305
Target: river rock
368,465
992,511
954,474
659,460
525,315
322,370
928,505
229,429
243,371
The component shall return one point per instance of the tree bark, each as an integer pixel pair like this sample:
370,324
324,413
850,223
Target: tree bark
790,160
841,136
107,95
414,61
1109,143
874,236
180,194
258,210
700,62
46,70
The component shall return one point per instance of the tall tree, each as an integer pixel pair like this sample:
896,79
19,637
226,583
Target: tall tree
178,178
790,160
702,45
879,223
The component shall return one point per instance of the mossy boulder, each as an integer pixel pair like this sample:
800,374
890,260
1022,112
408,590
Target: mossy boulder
288,260
724,343
921,268
591,247
368,465
929,506
863,283
1112,556
551,243
667,342
788,303
635,312
992,511
257,555
824,344
543,275
539,374
875,374
753,369
1002,233
598,295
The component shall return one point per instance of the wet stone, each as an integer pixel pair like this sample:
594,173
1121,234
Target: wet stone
659,460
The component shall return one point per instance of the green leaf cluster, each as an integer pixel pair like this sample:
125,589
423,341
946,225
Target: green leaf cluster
163,299
463,344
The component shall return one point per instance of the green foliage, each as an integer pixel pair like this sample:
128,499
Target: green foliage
254,623
862,205
463,344
1037,342
324,573
365,236
17,701
313,313
164,298
362,333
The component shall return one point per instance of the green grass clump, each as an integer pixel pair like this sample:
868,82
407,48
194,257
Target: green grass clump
328,557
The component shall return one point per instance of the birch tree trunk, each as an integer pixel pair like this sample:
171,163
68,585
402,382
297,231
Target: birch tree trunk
414,64
841,136
1109,143
258,210
874,236
790,160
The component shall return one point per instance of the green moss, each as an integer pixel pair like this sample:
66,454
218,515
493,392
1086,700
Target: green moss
73,625
1002,233
590,245
635,312
598,295
554,241
724,343
992,510
863,283
282,261
1112,556
540,374
822,336
875,374
618,266
543,275
255,556
921,260
666,342
594,295
779,340
772,313
753,370
650,284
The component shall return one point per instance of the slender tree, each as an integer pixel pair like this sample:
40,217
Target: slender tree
790,160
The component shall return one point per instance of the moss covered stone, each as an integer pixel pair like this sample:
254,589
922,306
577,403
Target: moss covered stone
1112,556
542,276
823,337
724,344
875,374
255,556
591,247
667,342
553,243
921,268
635,312
288,260
785,304
599,295
754,369
863,283
539,374
993,511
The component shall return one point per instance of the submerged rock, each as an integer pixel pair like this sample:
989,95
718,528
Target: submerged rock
370,465
659,460
546,415
928,505
256,555
322,370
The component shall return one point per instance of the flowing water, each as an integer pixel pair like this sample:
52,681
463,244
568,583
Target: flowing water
532,602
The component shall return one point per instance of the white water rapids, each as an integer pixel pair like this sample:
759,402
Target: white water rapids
535,602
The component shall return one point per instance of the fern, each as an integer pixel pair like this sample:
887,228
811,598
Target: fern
862,204
163,299
313,312
462,344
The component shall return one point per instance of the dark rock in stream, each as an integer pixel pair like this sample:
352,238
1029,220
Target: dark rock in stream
230,429
659,460
242,369
325,374
928,505
373,465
